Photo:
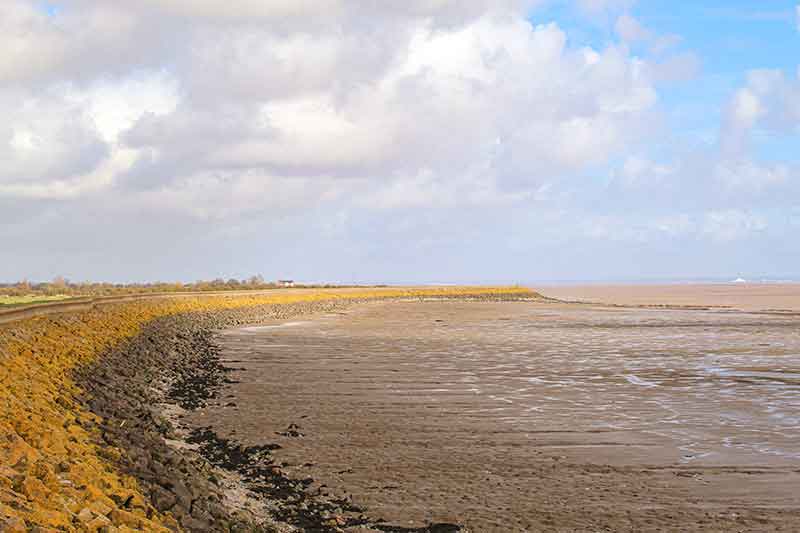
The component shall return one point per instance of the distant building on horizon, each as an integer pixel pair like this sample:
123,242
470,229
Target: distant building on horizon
286,283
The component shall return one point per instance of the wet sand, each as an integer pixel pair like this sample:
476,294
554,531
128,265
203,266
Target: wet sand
529,416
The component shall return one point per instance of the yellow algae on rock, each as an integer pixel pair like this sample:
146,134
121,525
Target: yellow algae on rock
52,474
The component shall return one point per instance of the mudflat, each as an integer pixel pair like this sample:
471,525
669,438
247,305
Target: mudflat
742,296
523,416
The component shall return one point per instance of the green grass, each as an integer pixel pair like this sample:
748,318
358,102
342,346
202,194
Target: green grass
30,299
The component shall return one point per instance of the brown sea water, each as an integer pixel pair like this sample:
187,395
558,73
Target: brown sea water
530,417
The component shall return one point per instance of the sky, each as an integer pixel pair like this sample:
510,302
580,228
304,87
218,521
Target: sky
424,141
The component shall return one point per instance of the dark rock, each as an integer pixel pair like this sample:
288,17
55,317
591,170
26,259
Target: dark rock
174,360
162,500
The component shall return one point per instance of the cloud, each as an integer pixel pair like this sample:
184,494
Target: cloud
797,16
715,226
676,68
247,9
731,225
629,29
743,112
315,15
99,39
638,171
484,101
732,175
598,6
749,176
45,136
780,97
769,100
222,111
253,124
62,142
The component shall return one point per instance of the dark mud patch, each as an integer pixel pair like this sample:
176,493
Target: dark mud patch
265,478
296,506
436,528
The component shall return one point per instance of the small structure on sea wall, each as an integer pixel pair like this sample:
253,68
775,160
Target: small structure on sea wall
286,283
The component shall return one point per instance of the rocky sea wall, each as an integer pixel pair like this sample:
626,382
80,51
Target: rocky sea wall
87,437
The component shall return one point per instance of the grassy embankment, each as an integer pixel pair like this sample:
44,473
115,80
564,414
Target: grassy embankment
7,301
52,474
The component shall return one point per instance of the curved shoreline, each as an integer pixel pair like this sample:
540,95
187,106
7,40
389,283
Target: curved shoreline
64,468
190,472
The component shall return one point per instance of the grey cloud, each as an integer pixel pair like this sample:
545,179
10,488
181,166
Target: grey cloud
45,138
79,44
